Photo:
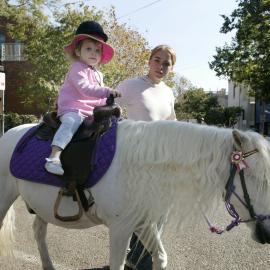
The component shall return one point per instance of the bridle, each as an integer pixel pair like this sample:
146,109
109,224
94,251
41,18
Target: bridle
238,164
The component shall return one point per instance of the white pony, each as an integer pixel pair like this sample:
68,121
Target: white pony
164,171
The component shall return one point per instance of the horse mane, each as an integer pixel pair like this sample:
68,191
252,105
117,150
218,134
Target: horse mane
178,168
165,141
158,157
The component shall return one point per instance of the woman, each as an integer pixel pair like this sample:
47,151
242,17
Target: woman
148,98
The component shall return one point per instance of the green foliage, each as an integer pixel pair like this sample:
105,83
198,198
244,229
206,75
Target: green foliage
222,116
14,119
231,115
181,84
196,103
204,107
131,52
246,59
215,116
44,38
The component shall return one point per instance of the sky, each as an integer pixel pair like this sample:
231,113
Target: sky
191,27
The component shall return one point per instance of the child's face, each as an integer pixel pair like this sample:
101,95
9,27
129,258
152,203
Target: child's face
90,52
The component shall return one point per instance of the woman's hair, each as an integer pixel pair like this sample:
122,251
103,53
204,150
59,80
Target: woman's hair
164,48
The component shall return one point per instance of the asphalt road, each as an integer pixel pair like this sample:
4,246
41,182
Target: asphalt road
196,248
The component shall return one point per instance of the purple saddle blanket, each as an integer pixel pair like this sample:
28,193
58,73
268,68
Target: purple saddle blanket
28,159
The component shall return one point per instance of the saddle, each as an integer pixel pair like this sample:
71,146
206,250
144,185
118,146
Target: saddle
79,153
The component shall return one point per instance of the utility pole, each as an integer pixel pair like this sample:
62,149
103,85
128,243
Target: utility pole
2,98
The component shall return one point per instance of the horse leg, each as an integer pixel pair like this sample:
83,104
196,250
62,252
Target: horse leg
159,257
119,242
150,237
40,231
7,227
8,194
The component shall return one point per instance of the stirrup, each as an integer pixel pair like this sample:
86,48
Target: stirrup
63,192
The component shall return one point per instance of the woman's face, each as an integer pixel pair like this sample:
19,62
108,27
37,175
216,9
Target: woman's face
160,65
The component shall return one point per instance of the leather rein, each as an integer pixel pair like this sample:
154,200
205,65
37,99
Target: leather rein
238,164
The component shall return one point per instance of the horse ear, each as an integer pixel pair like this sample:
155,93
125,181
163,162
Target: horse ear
239,139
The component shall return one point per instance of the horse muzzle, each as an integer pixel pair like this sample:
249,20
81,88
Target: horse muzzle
262,235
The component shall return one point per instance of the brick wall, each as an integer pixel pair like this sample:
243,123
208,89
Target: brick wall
13,102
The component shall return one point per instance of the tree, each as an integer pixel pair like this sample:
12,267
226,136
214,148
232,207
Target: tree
231,116
223,116
44,37
195,102
246,59
182,84
204,107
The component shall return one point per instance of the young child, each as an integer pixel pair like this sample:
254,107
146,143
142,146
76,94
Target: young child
83,87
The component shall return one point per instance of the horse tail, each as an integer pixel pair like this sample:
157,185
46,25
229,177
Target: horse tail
7,229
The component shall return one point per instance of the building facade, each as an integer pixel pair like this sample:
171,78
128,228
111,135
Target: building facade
238,97
222,97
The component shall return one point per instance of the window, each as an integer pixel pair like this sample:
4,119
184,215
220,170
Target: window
2,38
12,51
17,50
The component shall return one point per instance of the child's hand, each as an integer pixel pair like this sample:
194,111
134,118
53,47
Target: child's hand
115,93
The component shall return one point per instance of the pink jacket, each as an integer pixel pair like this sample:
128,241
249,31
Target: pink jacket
82,90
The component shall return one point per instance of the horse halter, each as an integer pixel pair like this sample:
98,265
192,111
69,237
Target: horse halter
238,164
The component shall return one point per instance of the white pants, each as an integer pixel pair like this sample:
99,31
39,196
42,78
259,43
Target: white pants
70,123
